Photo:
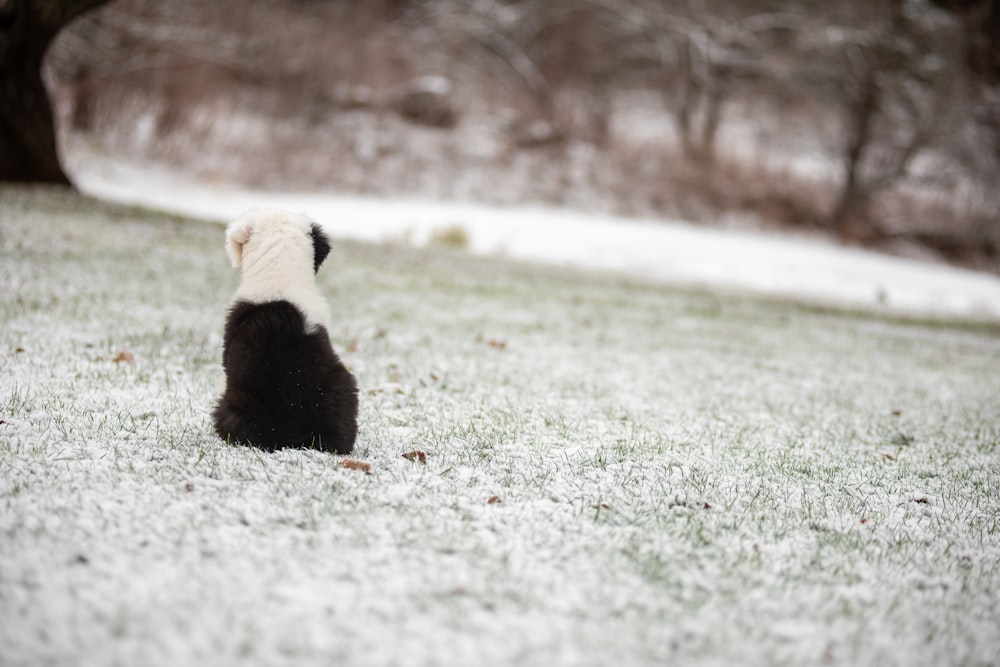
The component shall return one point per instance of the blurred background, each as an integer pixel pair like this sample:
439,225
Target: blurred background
873,121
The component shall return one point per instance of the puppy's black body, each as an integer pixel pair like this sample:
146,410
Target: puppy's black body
285,387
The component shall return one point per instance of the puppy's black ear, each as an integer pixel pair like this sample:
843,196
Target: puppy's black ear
321,246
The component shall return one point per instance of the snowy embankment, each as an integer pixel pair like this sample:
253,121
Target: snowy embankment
658,252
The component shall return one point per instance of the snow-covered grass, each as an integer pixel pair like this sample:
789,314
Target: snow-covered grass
613,473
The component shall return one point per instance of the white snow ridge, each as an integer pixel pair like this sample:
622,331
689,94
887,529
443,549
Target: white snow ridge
661,252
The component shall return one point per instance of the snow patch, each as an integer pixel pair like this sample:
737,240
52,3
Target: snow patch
671,253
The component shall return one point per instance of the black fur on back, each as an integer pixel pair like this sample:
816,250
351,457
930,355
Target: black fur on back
284,387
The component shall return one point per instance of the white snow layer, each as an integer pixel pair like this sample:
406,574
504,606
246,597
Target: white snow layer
652,251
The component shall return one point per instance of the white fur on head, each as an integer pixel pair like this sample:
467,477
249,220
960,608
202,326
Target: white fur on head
275,249
237,233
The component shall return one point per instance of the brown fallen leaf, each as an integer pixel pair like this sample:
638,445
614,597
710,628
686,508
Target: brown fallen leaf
124,356
888,457
497,344
416,455
388,388
354,464
492,500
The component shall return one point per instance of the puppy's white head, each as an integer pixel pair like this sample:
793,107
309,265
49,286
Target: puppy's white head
280,253
266,233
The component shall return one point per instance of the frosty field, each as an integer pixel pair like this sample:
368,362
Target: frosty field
612,473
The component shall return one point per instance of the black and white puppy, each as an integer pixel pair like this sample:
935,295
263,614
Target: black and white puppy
285,386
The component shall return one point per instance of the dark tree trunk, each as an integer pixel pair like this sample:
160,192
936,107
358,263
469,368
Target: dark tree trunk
28,151
852,196
981,19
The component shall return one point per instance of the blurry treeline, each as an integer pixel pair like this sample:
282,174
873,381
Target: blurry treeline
877,120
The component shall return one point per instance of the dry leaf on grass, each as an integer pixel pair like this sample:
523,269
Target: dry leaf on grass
124,356
416,455
354,464
388,388
495,343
